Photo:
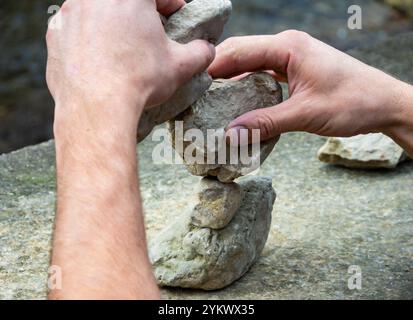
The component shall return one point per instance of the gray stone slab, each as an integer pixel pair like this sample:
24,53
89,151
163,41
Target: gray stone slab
325,219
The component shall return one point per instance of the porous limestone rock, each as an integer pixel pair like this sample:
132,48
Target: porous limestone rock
187,256
218,203
200,19
222,103
369,151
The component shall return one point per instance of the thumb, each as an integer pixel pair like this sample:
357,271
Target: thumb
271,122
192,58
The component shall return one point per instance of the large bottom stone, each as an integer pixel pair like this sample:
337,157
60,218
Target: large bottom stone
187,256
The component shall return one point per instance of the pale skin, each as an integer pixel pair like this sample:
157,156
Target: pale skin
105,66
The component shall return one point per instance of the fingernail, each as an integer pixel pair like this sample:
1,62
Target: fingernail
232,136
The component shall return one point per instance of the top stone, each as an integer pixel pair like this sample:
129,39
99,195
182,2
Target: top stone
199,19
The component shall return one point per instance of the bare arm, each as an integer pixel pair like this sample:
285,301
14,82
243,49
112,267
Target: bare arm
103,69
331,93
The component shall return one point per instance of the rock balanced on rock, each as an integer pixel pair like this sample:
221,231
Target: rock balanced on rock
185,255
224,231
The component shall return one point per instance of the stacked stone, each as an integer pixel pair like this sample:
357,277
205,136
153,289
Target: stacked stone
224,231
216,242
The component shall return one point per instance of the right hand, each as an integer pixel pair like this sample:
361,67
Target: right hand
331,93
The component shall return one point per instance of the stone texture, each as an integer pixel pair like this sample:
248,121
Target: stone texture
200,19
222,103
326,219
184,255
218,203
369,151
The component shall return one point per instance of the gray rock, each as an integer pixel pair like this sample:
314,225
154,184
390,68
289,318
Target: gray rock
200,19
369,151
218,203
222,103
326,220
187,256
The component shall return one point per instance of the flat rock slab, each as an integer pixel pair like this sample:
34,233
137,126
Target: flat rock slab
325,219
368,151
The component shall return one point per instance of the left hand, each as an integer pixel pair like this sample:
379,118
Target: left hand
109,59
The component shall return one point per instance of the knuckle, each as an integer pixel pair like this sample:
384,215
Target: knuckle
230,50
297,39
267,125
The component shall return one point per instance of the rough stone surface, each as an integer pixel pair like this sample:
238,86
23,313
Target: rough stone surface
218,203
200,19
369,151
326,218
222,103
187,256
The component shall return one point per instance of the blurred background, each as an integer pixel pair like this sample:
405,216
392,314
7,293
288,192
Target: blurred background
26,108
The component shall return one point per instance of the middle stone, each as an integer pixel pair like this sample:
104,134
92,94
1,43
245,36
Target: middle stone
222,103
218,203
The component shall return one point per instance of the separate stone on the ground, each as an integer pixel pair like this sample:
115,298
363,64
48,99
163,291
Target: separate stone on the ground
222,103
184,255
200,19
369,151
218,203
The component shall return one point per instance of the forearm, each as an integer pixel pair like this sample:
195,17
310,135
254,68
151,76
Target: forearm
402,131
99,241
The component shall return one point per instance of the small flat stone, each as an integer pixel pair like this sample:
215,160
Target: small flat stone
184,255
218,203
222,103
369,151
